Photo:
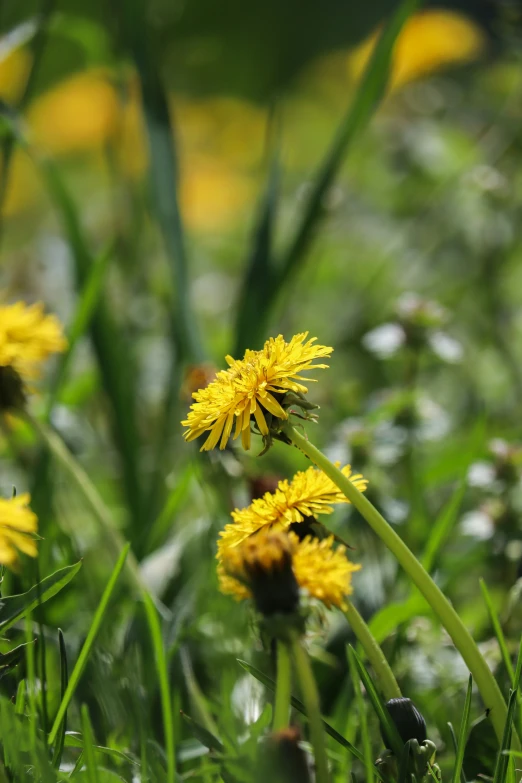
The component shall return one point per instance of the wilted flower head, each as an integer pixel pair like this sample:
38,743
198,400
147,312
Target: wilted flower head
18,525
257,388
270,566
309,494
27,337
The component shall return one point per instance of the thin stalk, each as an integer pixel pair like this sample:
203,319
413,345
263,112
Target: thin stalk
313,710
115,542
375,655
283,687
449,618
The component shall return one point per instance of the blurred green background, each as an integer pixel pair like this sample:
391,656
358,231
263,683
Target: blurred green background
160,165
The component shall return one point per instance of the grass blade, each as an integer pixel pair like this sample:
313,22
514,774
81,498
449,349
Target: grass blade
259,278
88,746
88,303
369,93
518,669
163,677
363,723
15,607
87,645
113,353
443,526
388,726
504,765
463,735
163,173
64,680
495,622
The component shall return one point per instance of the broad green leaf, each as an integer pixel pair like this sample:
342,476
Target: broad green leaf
203,735
15,607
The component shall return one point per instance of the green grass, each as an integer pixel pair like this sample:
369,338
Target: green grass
120,660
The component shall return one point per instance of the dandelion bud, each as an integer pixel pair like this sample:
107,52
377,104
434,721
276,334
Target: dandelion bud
408,720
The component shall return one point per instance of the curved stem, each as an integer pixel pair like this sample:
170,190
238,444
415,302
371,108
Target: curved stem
449,618
283,687
374,654
313,709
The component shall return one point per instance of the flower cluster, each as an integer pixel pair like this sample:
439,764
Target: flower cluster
18,526
27,337
264,546
257,388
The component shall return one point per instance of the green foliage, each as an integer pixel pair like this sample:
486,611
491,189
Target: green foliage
363,196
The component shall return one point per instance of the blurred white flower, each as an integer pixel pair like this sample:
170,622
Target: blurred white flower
385,340
445,347
477,524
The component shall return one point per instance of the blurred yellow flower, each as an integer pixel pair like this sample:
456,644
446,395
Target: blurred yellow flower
212,194
429,40
309,494
222,128
27,337
80,113
260,566
18,525
248,387
23,186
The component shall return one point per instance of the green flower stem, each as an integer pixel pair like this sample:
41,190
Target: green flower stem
374,654
115,542
449,618
283,687
313,708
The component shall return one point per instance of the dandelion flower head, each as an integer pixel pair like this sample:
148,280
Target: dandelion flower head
27,337
251,387
309,494
18,526
319,568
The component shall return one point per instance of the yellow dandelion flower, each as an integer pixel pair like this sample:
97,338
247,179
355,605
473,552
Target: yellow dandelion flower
259,568
213,193
309,494
322,570
250,386
27,337
80,113
18,526
430,40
